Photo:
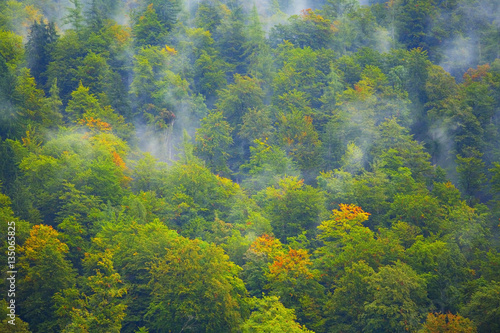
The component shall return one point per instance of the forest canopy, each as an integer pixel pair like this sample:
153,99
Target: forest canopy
250,166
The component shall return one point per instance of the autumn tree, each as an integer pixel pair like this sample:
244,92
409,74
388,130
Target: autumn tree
447,323
46,271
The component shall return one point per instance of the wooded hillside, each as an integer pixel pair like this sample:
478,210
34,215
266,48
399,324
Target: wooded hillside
250,166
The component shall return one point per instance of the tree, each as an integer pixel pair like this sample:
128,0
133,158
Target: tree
399,300
412,22
310,29
46,271
135,247
148,29
213,140
346,241
289,275
232,38
484,307
443,323
33,104
298,137
270,316
300,70
238,98
292,278
6,325
75,16
420,210
167,11
345,306
99,309
256,125
196,288
40,45
395,142
445,268
471,175
267,165
292,207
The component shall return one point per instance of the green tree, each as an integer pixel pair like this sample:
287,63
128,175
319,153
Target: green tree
346,241
6,324
292,207
39,47
213,140
238,98
148,29
75,15
345,306
99,309
297,136
445,268
33,104
422,211
232,38
483,307
471,175
266,166
399,300
270,316
196,288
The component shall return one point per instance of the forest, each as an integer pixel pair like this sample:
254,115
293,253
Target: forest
250,166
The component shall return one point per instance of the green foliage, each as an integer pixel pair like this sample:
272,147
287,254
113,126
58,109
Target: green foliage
148,29
241,96
399,299
213,139
483,307
39,49
99,309
196,288
292,207
388,110
267,165
269,315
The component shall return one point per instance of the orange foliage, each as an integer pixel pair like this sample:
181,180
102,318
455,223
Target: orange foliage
358,88
118,160
294,262
350,212
95,123
342,221
477,74
443,323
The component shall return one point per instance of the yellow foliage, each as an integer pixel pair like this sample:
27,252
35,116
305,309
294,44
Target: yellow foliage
170,50
122,34
33,15
268,245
